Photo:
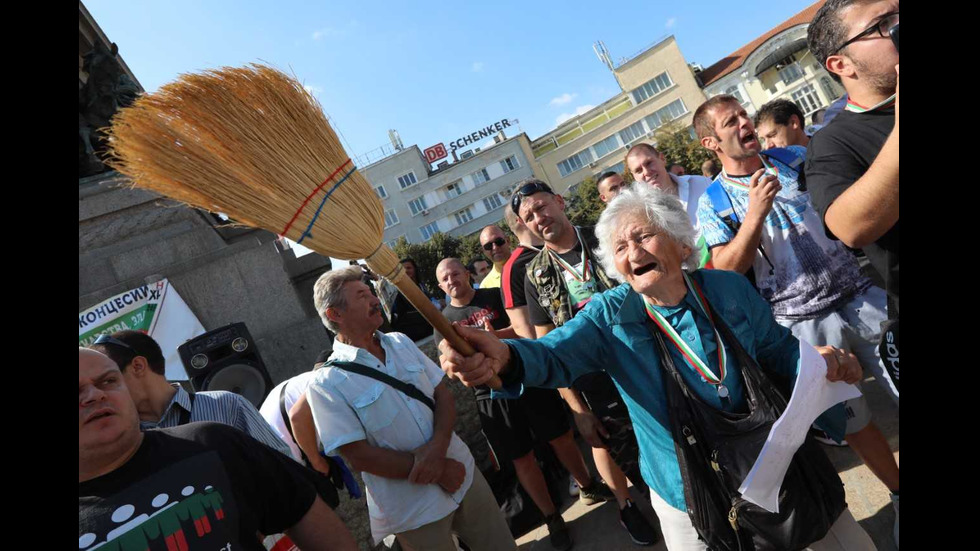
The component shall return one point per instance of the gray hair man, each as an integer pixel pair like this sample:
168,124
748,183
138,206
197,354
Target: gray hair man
421,479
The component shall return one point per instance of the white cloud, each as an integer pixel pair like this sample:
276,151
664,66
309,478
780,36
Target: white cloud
671,22
313,89
324,33
333,32
477,67
563,99
581,109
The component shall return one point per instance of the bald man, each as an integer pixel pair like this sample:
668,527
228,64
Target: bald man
233,487
496,247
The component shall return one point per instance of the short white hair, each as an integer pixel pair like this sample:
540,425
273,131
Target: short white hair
662,210
328,292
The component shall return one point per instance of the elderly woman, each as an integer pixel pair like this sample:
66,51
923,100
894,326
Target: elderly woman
646,241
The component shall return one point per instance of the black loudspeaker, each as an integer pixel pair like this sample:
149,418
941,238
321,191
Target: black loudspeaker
226,359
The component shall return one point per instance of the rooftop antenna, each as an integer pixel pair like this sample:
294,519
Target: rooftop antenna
603,54
396,140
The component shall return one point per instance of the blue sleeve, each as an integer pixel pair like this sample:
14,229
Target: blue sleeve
778,352
561,356
714,231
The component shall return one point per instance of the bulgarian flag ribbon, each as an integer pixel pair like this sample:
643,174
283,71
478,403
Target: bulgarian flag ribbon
586,271
692,358
854,107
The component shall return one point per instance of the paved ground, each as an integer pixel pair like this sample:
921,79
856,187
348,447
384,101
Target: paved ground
597,528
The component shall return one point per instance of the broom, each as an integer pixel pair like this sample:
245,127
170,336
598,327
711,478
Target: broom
253,144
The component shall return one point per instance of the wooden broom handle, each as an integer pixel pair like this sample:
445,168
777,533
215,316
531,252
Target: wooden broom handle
439,322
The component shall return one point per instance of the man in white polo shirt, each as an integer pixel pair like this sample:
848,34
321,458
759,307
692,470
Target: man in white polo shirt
646,164
421,480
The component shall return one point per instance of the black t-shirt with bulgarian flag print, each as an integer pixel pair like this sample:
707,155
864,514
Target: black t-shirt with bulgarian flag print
200,486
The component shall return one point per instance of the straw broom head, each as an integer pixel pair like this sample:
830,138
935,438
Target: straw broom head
253,144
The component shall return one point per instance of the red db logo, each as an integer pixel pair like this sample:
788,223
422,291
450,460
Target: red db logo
435,153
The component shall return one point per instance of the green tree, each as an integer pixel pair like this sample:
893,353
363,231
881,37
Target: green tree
428,255
677,145
584,206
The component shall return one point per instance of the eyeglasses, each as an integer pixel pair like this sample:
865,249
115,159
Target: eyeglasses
881,26
106,339
498,242
525,191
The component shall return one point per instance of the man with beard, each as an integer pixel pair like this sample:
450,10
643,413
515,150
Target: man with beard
852,164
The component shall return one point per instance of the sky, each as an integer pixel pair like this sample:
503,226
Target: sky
433,72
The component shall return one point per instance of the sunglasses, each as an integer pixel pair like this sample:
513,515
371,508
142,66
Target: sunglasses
525,191
106,339
882,26
498,242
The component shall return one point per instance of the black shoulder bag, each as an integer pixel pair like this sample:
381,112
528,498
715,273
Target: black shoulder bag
717,449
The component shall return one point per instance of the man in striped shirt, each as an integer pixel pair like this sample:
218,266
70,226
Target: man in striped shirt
162,404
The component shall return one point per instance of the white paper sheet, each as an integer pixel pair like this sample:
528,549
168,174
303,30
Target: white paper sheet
812,395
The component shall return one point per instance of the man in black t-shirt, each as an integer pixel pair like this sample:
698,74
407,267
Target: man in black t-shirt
852,165
197,486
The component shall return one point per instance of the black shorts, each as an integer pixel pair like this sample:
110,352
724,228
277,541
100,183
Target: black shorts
603,398
512,427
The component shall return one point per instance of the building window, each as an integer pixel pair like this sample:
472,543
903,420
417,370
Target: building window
575,162
417,205
790,72
509,164
463,216
735,93
493,202
606,146
407,180
454,189
380,190
480,176
659,83
806,97
428,231
390,218
391,244
632,132
666,114
828,89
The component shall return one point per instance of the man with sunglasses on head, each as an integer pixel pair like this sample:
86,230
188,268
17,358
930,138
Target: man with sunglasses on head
496,247
162,404
561,280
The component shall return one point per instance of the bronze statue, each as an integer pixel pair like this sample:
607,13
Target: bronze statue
107,89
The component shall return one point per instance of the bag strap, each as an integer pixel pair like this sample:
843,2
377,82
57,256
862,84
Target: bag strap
722,205
289,425
791,159
185,414
407,389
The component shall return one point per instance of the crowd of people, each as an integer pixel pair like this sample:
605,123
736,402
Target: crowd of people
668,336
